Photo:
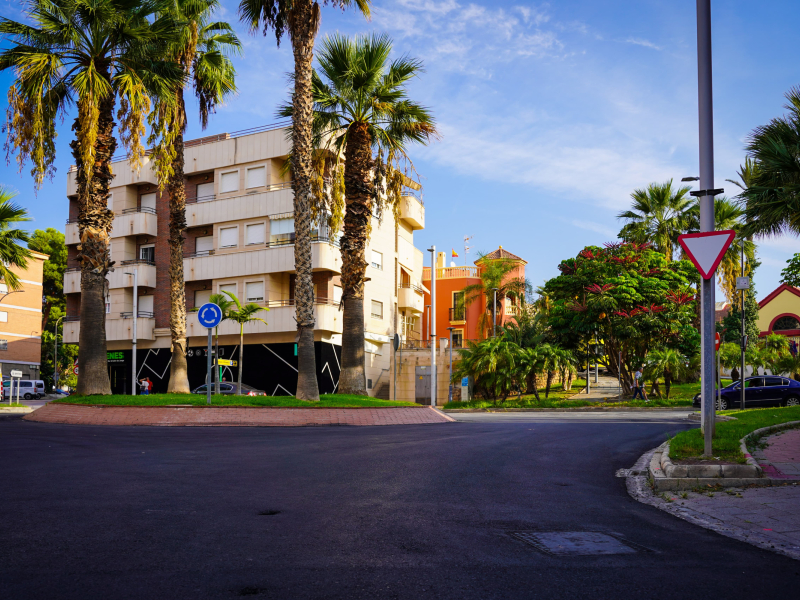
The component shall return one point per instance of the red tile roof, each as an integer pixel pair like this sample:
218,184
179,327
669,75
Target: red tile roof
501,253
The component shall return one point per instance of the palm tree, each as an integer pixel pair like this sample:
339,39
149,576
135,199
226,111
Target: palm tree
495,275
87,52
790,363
361,112
301,19
11,253
772,196
667,363
243,314
657,215
202,53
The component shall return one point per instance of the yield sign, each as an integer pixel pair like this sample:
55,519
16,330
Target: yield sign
706,249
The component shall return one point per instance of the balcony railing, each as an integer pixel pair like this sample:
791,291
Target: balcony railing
318,301
413,194
138,261
262,245
142,314
458,313
451,273
412,286
274,187
139,209
198,253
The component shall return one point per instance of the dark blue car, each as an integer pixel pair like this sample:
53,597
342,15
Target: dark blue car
767,390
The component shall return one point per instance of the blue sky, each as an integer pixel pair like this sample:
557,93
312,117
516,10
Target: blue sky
551,114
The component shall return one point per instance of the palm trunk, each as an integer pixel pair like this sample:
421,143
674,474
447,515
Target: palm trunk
241,359
305,18
550,375
667,384
358,212
533,387
95,221
178,374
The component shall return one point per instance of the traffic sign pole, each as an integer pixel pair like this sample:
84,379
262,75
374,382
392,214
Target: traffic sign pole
209,316
208,379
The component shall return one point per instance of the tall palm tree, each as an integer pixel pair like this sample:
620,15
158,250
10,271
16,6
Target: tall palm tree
361,112
495,274
87,52
202,52
727,215
11,253
243,314
772,196
300,19
657,215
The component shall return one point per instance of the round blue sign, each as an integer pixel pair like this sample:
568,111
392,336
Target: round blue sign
209,315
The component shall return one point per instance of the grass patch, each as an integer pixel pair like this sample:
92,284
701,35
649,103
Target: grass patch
725,445
13,405
325,401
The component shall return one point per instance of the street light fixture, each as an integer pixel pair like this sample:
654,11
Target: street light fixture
684,179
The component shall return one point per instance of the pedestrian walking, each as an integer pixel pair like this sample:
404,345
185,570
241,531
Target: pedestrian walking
638,382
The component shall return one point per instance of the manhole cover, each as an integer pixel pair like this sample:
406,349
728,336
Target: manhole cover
573,543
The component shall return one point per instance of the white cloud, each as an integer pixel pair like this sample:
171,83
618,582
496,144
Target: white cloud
596,227
642,42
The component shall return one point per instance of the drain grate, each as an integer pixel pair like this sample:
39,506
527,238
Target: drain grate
574,543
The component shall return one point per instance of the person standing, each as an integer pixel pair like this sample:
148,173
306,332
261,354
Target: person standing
144,387
637,384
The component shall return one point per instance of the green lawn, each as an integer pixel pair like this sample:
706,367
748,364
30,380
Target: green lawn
13,405
689,444
326,401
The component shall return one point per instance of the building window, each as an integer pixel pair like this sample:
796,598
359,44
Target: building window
228,237
458,338
337,294
255,234
377,309
3,317
147,253
3,288
281,230
108,306
786,324
254,291
205,192
228,287
256,177
369,384
3,344
377,260
203,245
201,297
459,310
148,201
229,182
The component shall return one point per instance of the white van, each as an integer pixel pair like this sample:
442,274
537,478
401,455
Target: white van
28,389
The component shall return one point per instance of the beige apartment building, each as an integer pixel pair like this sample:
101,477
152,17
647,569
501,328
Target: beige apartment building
21,320
240,238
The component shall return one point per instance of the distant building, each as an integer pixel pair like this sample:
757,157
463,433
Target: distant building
721,310
21,320
450,309
779,313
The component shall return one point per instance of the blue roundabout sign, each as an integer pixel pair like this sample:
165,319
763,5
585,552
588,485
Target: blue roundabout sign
209,315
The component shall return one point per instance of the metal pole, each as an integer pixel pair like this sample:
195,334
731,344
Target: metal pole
706,131
135,317
596,368
450,380
432,328
208,367
588,371
55,354
427,306
619,373
744,337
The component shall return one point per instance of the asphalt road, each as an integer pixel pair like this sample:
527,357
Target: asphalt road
362,512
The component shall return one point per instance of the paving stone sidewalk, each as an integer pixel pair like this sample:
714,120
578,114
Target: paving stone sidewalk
233,416
767,517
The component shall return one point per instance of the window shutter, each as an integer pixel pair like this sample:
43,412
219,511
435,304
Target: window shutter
145,304
204,244
228,287
201,297
229,182
148,201
256,177
254,234
205,192
229,237
377,259
255,291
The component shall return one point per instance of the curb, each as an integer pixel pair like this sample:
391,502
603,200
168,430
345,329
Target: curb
210,406
665,475
571,409
638,486
15,410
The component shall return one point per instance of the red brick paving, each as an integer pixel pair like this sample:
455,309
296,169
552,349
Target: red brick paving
783,455
233,417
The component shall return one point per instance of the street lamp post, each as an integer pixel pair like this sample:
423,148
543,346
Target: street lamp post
55,353
450,380
427,337
494,313
135,315
744,336
432,326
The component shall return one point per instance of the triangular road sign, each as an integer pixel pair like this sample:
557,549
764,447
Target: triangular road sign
706,249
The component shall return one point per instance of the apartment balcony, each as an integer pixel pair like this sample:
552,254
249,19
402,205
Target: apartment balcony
412,211
71,234
118,278
135,221
458,315
118,328
277,257
280,319
277,199
410,297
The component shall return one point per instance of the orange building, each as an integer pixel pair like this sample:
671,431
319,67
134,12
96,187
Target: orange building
450,310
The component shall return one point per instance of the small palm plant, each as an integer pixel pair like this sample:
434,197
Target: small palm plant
11,253
790,363
667,363
243,314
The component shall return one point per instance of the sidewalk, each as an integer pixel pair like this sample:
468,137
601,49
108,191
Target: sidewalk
605,388
767,517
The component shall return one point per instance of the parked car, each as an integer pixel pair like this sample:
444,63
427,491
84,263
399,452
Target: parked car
28,389
229,389
761,391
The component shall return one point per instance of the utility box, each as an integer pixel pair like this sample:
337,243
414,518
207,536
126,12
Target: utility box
422,386
466,389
